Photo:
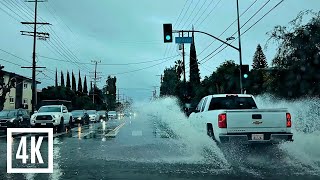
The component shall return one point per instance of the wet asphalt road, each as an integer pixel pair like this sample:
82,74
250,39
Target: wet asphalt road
142,150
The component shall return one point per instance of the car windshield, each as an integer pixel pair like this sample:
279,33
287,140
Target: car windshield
91,112
8,114
77,113
49,109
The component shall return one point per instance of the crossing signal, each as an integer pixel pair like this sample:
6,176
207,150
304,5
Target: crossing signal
245,71
167,33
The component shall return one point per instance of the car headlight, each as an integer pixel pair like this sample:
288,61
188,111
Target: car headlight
11,120
33,117
79,118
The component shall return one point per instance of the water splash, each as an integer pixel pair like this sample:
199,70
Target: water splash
305,150
166,115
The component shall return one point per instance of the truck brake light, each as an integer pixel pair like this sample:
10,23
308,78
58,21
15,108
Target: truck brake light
222,120
288,117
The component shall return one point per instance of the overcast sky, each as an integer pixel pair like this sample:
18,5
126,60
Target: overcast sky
130,31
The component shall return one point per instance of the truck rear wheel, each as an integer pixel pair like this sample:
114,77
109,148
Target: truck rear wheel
210,132
61,126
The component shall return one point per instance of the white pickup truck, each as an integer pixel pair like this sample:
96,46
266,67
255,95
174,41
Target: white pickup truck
56,116
236,118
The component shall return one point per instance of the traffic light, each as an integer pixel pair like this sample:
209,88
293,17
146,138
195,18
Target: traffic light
167,33
245,71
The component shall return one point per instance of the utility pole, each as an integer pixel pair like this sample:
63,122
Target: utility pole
161,78
155,92
184,64
95,78
240,53
41,36
118,95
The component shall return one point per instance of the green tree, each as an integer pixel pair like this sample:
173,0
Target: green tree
259,59
110,92
79,83
297,58
68,85
62,79
227,77
170,82
179,68
194,68
74,87
85,85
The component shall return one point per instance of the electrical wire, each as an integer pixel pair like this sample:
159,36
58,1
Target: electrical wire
111,64
144,67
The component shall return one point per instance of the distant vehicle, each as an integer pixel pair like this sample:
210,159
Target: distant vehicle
102,115
93,115
80,117
16,118
236,118
56,116
112,115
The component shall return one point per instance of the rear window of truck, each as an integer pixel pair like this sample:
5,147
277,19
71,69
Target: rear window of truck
232,102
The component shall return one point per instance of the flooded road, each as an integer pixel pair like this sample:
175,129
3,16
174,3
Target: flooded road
161,144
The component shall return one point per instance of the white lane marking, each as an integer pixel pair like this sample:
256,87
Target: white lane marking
115,131
136,133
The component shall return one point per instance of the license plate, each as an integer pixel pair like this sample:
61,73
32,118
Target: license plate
258,137
43,124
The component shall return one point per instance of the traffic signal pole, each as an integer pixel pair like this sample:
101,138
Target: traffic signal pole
240,52
224,42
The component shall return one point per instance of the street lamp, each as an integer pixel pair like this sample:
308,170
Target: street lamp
230,38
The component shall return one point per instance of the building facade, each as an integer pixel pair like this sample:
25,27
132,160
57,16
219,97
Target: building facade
21,95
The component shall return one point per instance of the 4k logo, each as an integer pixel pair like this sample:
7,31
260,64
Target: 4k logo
35,154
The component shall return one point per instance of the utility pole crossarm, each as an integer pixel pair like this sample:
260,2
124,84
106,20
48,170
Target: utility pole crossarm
224,42
36,23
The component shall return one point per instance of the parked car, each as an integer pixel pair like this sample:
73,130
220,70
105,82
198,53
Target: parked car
103,115
56,116
14,119
80,117
236,118
112,115
93,115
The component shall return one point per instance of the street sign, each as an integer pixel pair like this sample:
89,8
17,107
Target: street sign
183,40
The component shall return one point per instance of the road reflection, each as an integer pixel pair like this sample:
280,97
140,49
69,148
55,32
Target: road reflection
57,171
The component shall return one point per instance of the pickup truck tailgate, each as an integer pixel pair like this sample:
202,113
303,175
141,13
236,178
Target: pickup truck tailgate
256,120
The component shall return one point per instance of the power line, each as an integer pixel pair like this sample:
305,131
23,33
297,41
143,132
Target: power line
144,67
229,26
204,2
10,62
170,49
109,64
21,8
235,31
203,12
15,56
60,43
246,29
209,13
4,4
185,22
